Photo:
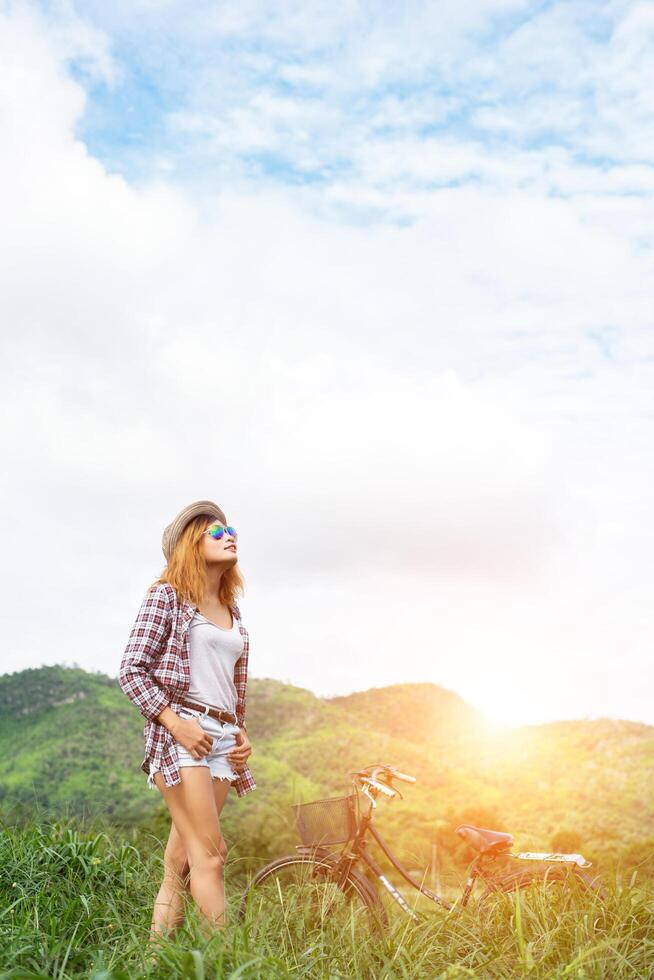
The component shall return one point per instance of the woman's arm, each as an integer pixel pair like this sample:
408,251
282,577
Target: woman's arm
240,683
146,643
240,753
241,680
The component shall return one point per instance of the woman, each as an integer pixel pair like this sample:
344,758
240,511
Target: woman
185,668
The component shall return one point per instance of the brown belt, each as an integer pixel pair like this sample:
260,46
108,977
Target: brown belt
217,713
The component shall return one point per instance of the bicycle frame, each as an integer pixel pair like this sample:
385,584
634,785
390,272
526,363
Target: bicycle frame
360,849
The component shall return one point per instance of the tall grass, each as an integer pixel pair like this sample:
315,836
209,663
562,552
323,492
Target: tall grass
76,900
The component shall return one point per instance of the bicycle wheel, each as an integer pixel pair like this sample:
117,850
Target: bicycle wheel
296,900
551,887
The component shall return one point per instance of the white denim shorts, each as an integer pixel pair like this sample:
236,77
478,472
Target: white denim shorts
223,734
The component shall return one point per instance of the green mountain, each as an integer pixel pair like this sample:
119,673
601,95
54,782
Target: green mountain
72,742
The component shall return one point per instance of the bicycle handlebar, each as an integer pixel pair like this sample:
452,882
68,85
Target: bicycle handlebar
380,787
401,775
379,779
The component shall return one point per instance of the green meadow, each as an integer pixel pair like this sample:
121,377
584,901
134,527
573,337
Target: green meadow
81,838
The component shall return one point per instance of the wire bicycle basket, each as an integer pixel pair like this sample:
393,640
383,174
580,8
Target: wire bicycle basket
330,821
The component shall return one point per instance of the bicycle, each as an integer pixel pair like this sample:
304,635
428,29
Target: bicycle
323,888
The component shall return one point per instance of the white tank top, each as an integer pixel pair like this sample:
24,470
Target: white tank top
214,651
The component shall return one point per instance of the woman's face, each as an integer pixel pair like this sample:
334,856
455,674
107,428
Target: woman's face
220,552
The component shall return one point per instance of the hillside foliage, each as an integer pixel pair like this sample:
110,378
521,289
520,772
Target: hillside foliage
73,743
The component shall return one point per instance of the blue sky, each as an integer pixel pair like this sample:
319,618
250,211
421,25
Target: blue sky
377,279
291,93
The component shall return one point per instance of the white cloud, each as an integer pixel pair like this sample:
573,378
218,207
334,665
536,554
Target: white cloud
433,436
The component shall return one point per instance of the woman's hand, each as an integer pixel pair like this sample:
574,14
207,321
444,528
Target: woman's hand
189,733
239,755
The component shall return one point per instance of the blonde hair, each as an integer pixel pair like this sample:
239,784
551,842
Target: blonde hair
186,569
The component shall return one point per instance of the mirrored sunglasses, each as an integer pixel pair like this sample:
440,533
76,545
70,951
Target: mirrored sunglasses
217,530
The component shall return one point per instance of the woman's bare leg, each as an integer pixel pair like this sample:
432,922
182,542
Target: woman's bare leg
220,791
168,913
194,808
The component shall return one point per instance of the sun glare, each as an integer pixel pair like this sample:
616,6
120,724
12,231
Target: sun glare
504,708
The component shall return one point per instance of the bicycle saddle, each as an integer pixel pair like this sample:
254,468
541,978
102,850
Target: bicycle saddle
484,841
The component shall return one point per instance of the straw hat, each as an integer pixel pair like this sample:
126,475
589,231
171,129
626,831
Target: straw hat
174,530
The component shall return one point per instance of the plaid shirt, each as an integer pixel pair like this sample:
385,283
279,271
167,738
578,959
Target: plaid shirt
155,674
